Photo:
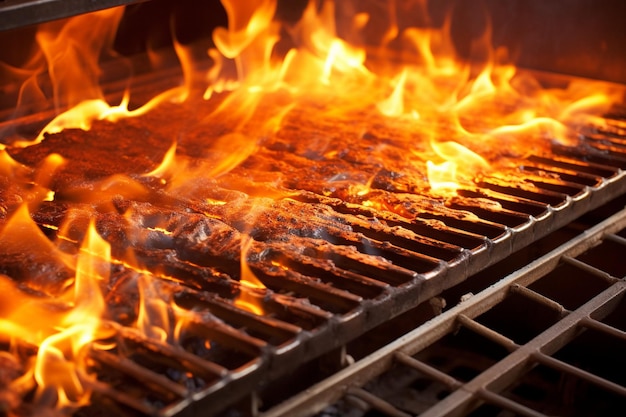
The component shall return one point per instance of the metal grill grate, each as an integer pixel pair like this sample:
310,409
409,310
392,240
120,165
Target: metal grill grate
338,269
554,317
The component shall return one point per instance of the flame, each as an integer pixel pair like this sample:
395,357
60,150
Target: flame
432,84
153,319
63,328
34,185
240,147
442,177
432,81
459,162
458,121
319,35
249,299
394,104
166,166
250,37
20,235
72,50
61,359
10,168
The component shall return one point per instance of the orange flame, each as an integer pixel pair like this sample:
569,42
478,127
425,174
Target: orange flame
433,83
153,319
72,50
61,357
166,166
250,37
62,328
249,296
458,162
394,104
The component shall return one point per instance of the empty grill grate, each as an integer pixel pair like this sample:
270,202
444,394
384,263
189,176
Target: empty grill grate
546,340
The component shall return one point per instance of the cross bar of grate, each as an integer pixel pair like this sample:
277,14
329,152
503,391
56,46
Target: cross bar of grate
601,327
376,402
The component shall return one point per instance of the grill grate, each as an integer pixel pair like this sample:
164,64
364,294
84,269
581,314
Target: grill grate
339,269
561,330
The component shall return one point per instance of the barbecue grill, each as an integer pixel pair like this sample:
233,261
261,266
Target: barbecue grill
377,301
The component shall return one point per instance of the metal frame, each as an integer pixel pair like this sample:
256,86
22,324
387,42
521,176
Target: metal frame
485,388
18,13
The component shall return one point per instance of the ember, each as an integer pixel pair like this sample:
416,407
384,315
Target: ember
304,192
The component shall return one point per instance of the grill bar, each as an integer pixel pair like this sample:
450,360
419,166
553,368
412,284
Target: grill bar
507,404
426,369
487,332
588,376
485,386
376,402
590,269
539,298
599,326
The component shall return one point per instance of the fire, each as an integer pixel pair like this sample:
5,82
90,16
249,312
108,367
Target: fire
250,36
158,315
394,104
413,119
71,52
63,328
61,357
431,85
249,297
166,166
458,161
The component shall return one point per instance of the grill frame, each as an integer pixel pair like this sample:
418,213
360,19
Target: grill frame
20,13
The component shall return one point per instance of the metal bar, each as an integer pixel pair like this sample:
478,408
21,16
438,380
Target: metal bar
503,402
106,390
18,13
139,372
539,298
601,327
428,370
590,269
187,359
616,238
376,402
330,390
580,373
485,331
